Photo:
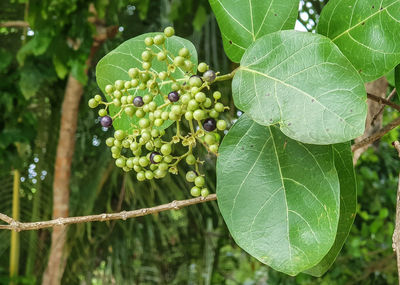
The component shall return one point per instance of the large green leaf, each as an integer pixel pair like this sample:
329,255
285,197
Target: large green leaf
303,82
367,32
348,205
243,21
279,197
115,66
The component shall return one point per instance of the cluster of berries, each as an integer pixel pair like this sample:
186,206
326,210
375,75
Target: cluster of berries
143,148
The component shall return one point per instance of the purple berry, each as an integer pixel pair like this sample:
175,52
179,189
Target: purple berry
173,96
152,155
106,121
138,101
209,75
209,124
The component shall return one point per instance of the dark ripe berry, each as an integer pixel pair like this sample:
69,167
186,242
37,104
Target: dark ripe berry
106,121
209,124
138,101
173,96
209,75
152,155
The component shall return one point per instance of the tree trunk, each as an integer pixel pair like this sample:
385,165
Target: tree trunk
62,173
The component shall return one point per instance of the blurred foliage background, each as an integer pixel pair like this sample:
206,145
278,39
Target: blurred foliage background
189,246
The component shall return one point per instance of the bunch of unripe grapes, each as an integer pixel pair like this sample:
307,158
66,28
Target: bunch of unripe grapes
144,148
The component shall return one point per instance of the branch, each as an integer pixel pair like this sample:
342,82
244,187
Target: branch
383,101
376,136
15,24
396,233
383,107
174,205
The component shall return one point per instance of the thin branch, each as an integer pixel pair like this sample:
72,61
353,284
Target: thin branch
174,205
15,24
376,136
383,101
383,107
396,233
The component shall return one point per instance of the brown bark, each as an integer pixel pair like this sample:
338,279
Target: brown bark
62,173
378,88
15,24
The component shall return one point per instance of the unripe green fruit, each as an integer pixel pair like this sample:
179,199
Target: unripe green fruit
119,84
117,94
129,99
144,123
213,114
146,65
158,143
173,116
134,82
165,115
209,138
185,99
119,135
199,115
163,75
168,158
175,86
143,161
166,149
158,173
117,102
127,85
140,113
148,41
192,105
110,141
118,143
161,56
123,100
199,181
152,106
217,95
195,81
158,122
219,107
202,67
133,72
137,168
149,174
159,39
157,158
147,98
97,98
157,113
116,155
146,55
138,152
93,103
149,146
179,61
155,133
176,109
136,161
221,125
146,108
142,86
120,162
191,176
200,97
134,146
207,103
188,65
109,88
129,162
184,52
102,112
169,32
141,176
163,166
204,192
126,143
214,148
195,191
190,159
146,136
189,115
194,90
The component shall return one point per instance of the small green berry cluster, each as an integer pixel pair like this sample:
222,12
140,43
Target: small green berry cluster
143,148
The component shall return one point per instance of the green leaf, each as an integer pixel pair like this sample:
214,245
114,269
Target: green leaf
367,32
303,82
244,21
6,58
278,197
115,66
348,205
31,79
397,80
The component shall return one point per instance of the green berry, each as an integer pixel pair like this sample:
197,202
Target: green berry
175,86
202,67
163,166
120,162
214,148
148,41
189,115
152,106
117,143
149,175
141,176
199,181
133,72
109,88
146,136
134,146
110,141
190,159
119,84
195,191
140,113
179,60
93,103
115,149
143,161
142,86
169,32
159,39
158,122
191,176
207,103
163,75
129,162
185,99
134,83
213,114
221,125
173,116
102,112
147,98
217,95
161,56
166,149
184,52
199,115
209,138
188,65
204,192
176,109
219,107
97,98
117,94
127,85
146,55
119,135
123,100
195,81
146,65
192,105
144,123
165,115
200,97
168,158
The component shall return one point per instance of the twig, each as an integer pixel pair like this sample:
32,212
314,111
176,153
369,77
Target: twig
174,205
15,24
383,101
396,233
376,136
383,107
